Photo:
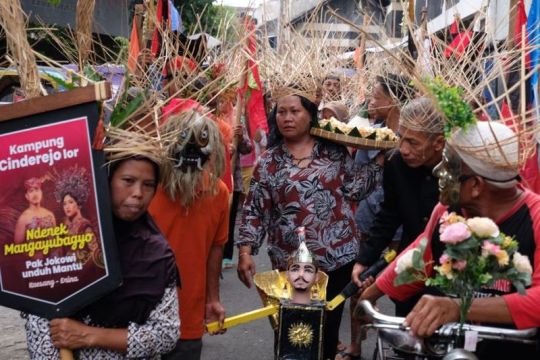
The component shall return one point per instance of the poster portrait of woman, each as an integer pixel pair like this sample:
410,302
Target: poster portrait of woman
72,189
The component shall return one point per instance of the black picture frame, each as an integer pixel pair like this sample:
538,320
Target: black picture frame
79,297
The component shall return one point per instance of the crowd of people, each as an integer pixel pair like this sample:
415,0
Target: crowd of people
175,207
174,217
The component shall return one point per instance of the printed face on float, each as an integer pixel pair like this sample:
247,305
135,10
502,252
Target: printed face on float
302,276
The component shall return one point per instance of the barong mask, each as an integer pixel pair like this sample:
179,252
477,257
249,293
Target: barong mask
195,156
193,148
449,173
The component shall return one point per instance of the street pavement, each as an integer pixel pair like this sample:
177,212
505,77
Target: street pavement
248,341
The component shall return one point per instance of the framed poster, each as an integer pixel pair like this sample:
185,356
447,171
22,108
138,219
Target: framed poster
57,244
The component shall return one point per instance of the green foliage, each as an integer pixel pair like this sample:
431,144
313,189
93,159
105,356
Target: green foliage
91,74
209,15
406,277
123,49
125,107
461,251
62,83
418,256
417,271
54,2
354,132
457,111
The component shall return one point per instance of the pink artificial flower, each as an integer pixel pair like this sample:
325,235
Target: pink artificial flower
488,248
443,221
444,259
460,265
455,233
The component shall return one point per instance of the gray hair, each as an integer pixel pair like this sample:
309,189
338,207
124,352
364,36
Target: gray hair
421,115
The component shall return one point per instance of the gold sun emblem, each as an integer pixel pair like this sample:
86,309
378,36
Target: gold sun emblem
300,335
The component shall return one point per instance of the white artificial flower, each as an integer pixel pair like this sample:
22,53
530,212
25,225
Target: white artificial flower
483,227
522,263
405,261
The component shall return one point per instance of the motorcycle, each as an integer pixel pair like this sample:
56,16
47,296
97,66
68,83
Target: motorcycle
394,341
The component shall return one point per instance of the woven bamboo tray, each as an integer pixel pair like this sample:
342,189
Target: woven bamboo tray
353,141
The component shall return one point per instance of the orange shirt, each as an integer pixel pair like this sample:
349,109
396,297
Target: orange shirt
191,233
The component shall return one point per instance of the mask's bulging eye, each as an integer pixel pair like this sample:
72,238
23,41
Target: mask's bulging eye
204,135
183,135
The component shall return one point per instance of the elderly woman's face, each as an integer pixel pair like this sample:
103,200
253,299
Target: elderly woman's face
133,186
293,120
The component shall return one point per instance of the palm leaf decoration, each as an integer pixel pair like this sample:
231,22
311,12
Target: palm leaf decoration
450,99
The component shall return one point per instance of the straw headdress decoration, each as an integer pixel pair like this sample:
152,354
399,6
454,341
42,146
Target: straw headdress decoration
12,20
457,81
85,17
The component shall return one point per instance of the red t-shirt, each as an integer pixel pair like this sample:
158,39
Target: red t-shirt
523,218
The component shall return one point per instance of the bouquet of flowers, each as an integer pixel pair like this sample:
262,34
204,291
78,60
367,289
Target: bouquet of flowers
477,254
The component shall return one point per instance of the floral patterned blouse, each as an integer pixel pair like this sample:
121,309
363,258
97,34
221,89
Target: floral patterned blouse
158,335
283,196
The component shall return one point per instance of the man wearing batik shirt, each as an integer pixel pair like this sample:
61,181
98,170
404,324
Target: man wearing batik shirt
476,187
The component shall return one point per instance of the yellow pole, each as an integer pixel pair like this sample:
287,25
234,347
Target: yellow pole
242,318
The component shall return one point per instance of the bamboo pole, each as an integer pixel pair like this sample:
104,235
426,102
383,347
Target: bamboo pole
66,354
361,60
240,98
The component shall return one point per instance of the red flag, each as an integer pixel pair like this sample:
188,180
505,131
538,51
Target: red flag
255,111
134,48
458,46
161,13
454,28
521,21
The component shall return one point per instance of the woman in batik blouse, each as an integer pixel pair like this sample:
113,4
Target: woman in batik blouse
304,181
